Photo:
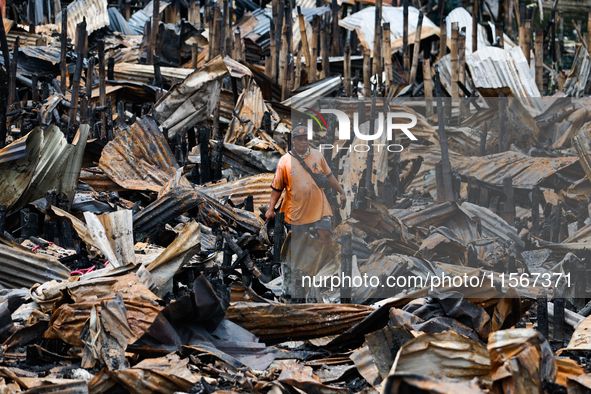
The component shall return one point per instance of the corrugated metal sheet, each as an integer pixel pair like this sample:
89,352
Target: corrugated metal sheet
575,83
364,23
309,96
139,158
464,19
21,268
444,65
526,171
95,12
50,54
142,73
138,20
493,70
192,101
259,186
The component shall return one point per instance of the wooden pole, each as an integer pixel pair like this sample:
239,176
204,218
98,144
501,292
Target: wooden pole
445,163
589,29
464,109
283,63
387,56
535,211
89,82
499,32
475,27
315,48
347,71
194,55
102,86
32,16
154,27
502,123
273,52
346,267
405,55
325,52
483,135
540,59
455,67
12,98
64,50
428,86
336,35
81,34
305,48
377,42
416,49
366,73
442,40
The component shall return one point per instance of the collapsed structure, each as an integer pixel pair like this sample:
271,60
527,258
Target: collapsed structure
138,142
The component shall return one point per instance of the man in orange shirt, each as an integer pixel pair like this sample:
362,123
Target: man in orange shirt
305,205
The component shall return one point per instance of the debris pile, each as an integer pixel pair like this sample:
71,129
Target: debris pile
138,145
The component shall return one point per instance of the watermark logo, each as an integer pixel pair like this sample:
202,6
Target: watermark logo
391,124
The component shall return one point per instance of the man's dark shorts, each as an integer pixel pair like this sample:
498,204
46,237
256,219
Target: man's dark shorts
325,223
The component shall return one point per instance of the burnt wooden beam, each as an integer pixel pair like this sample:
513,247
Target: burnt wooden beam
502,123
81,34
346,267
509,213
13,70
417,47
539,49
445,163
535,213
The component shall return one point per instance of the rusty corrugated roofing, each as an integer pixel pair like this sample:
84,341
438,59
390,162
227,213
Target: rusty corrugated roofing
94,11
258,186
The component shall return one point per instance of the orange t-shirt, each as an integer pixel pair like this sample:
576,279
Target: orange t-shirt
304,201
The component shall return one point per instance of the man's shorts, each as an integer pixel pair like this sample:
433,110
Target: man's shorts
325,223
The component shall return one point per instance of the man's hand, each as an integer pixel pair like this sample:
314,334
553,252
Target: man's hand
270,214
343,200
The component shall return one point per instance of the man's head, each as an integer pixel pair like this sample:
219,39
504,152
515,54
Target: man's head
299,138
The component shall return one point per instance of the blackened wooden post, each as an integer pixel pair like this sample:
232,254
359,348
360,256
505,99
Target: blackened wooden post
13,67
274,54
535,211
475,27
483,199
558,320
64,49
4,88
439,183
417,47
2,219
445,163
472,257
194,54
77,76
204,153
249,203
539,54
336,36
34,83
89,82
32,16
455,64
324,47
406,59
154,28
483,135
102,86
500,34
278,237
377,44
555,224
387,56
315,46
502,123
347,71
428,87
473,192
305,48
509,202
111,69
543,315
346,267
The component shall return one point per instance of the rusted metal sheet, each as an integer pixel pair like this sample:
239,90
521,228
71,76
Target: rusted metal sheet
142,307
520,360
193,100
582,144
258,186
581,339
446,356
279,323
496,70
21,268
94,11
139,158
418,382
248,118
363,23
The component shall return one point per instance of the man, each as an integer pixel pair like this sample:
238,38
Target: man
305,205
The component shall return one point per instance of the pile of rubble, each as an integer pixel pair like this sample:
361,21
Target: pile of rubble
138,142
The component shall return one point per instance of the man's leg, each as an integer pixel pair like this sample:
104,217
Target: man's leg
325,236
324,230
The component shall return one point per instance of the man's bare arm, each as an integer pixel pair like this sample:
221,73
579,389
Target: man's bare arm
334,185
275,195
